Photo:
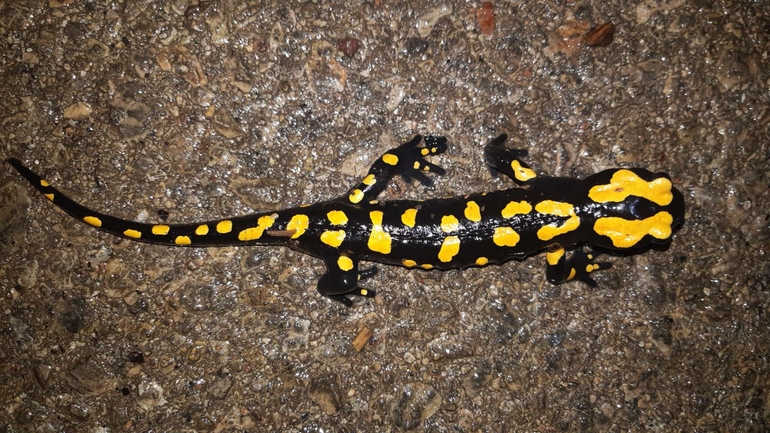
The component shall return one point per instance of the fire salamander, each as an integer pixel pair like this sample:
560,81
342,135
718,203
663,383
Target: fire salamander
617,209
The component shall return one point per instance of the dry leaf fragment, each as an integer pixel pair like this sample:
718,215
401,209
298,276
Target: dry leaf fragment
601,35
78,111
348,46
567,38
486,18
362,338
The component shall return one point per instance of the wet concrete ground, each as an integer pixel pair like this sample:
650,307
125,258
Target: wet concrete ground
201,110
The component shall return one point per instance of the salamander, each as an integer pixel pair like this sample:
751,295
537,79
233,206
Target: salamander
620,209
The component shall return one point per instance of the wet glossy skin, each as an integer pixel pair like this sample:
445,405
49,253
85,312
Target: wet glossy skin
617,209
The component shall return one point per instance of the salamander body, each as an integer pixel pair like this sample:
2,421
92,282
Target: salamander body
616,209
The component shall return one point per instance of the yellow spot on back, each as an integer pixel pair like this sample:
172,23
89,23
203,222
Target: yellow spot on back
424,152
553,257
627,233
482,261
379,239
160,229
299,222
345,263
333,238
408,217
254,233
44,182
390,159
356,196
521,173
449,223
337,217
550,207
182,240
202,230
136,234
49,196
449,248
92,220
250,234
572,274
472,211
224,226
505,237
369,180
625,183
409,263
516,208
416,165
426,266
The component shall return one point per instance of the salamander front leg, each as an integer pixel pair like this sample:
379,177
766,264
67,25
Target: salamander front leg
577,267
507,160
407,160
341,280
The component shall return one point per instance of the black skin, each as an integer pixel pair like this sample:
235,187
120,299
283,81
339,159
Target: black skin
430,240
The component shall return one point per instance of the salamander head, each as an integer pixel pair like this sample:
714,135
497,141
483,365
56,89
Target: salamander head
635,208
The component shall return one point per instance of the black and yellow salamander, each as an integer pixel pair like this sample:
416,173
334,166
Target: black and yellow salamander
622,209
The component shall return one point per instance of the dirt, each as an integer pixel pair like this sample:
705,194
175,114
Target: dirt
181,111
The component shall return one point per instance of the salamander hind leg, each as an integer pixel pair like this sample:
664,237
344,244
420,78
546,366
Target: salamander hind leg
407,160
577,267
507,160
342,278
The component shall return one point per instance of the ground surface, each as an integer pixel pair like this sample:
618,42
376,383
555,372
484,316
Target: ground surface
217,108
